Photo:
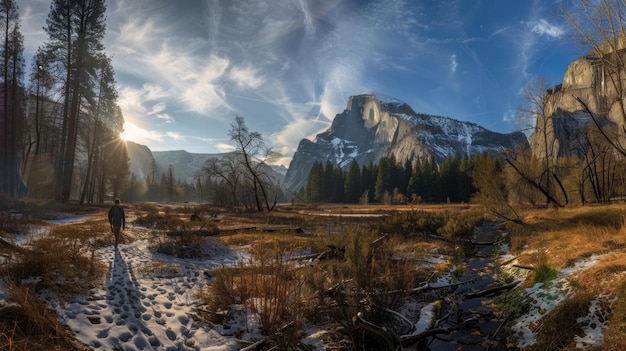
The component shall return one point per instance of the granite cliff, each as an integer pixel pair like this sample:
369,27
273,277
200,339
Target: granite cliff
566,121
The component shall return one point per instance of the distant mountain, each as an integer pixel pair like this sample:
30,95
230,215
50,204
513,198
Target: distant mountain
373,126
185,164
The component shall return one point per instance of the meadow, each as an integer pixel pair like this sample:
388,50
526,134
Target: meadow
298,277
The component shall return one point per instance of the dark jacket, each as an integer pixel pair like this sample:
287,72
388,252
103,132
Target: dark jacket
117,217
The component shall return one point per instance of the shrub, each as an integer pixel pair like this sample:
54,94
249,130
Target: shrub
267,284
414,222
543,272
459,226
62,259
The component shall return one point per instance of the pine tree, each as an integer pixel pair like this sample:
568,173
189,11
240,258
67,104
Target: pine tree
313,192
384,177
337,196
75,31
11,116
352,185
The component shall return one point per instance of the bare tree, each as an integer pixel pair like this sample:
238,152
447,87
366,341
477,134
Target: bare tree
538,170
228,170
255,157
544,143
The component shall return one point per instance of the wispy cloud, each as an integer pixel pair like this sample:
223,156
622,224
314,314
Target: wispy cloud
543,27
245,77
222,147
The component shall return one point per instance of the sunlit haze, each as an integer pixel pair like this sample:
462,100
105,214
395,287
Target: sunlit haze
185,70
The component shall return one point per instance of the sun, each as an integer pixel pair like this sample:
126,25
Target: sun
132,132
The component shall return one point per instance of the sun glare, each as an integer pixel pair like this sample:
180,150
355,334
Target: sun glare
131,132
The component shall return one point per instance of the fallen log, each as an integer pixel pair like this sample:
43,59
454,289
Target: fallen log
508,261
530,268
394,342
407,340
490,291
427,286
199,232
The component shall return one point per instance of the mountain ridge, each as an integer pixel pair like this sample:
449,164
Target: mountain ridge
185,163
372,126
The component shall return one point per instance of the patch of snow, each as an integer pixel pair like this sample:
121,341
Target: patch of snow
64,218
546,297
428,314
594,323
385,99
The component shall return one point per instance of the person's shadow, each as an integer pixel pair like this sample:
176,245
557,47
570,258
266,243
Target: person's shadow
124,299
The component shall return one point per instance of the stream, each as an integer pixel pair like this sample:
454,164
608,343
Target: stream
486,332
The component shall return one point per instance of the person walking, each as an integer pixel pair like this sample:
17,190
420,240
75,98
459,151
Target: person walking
117,220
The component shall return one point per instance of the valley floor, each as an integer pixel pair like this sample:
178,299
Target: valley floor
149,301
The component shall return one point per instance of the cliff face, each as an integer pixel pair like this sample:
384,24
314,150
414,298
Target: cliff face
584,78
373,126
565,121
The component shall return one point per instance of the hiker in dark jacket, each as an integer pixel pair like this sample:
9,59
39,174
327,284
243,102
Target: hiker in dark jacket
117,220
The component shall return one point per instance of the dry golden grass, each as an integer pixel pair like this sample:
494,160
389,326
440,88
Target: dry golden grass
28,324
568,234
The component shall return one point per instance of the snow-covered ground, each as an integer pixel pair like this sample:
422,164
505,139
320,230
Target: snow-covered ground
148,301
141,310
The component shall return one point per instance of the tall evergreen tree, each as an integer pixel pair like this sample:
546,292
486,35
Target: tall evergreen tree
328,182
352,185
313,187
75,31
337,196
384,177
368,176
11,116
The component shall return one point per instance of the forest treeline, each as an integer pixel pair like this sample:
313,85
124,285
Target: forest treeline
391,182
60,125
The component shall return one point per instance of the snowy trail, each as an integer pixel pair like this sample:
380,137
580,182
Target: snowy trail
146,311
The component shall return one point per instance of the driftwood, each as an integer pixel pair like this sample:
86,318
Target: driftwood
281,229
508,261
394,342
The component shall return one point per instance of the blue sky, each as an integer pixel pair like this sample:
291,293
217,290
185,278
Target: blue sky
185,69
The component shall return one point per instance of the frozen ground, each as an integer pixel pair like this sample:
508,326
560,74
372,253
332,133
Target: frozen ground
137,309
